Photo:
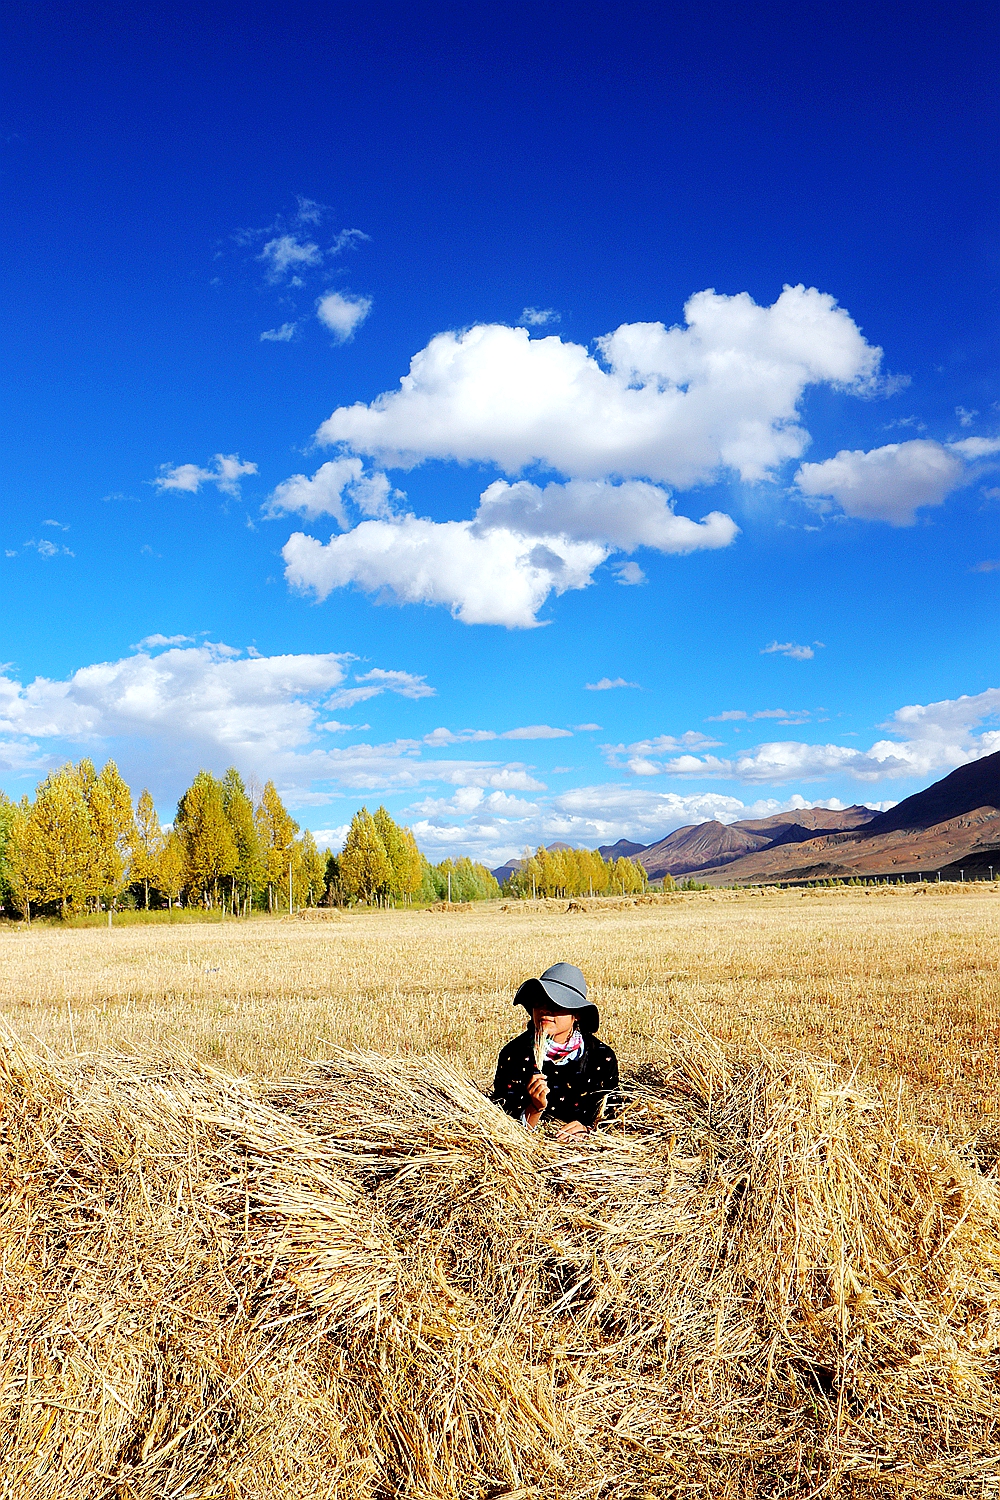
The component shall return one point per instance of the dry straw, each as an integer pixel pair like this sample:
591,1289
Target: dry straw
368,1282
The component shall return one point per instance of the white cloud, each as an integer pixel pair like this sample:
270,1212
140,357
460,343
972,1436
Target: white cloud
286,252
787,715
279,335
607,683
536,732
886,484
929,739
537,317
964,416
153,642
226,474
45,548
406,684
675,405
791,649
492,578
972,448
444,736
498,569
57,524
638,757
164,715
494,830
328,491
342,314
626,516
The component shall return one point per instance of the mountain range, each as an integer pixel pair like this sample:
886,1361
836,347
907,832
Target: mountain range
951,827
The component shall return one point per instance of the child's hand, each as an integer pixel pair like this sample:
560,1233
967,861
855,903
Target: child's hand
574,1131
538,1092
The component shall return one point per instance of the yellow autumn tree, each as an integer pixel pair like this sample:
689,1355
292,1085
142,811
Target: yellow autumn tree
364,865
276,829
310,871
405,863
147,850
55,854
171,868
210,852
112,825
248,876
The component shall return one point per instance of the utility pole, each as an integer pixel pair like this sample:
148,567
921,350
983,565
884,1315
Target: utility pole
449,887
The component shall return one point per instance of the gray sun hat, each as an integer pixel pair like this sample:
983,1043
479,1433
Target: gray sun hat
565,986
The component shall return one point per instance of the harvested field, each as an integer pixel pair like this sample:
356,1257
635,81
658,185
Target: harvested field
893,982
357,1279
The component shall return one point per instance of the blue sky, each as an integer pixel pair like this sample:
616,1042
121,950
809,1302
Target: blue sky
688,503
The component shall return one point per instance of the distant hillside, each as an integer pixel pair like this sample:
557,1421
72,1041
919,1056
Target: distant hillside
707,846
951,825
971,787
623,849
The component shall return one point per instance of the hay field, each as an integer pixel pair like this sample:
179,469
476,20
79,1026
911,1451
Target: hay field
356,1279
894,982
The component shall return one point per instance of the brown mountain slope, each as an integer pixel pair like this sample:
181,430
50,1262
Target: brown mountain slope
704,846
953,822
972,839
971,787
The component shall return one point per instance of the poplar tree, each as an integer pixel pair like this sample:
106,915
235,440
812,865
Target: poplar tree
209,847
147,850
56,853
170,868
112,825
276,829
248,876
310,871
8,819
403,855
364,865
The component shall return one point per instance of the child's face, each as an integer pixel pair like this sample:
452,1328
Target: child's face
557,1022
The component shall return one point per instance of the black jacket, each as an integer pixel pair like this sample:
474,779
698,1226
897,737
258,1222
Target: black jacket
576,1089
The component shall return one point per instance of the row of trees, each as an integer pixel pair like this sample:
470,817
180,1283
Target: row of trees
81,846
382,865
576,872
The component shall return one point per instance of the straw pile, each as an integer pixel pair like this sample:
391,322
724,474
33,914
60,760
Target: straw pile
367,1282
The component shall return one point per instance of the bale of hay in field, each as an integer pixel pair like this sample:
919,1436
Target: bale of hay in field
368,1282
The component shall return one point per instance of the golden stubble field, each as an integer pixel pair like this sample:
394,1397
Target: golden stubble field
891,982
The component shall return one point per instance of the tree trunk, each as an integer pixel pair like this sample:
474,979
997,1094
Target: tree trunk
146,888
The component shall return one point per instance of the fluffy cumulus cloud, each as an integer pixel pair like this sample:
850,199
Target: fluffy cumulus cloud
493,578
495,827
342,314
885,484
674,405
330,491
225,473
928,739
893,482
164,712
623,516
654,410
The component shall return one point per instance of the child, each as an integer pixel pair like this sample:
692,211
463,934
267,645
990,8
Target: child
577,1072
